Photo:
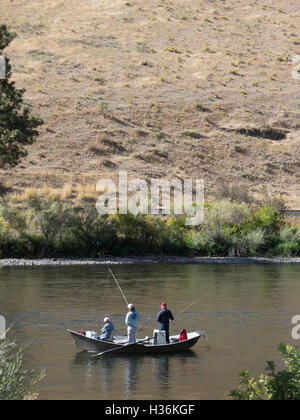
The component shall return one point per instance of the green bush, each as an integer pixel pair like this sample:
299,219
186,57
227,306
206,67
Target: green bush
255,241
225,213
287,234
14,218
267,218
281,385
288,249
28,245
15,382
50,227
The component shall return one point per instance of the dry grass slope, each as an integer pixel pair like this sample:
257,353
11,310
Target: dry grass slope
160,88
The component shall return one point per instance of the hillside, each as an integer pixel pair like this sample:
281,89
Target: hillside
163,88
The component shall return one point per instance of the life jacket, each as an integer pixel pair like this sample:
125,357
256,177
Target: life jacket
183,335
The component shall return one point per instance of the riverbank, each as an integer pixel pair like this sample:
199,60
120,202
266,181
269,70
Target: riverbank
144,260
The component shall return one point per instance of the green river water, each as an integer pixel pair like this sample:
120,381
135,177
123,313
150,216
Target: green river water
246,309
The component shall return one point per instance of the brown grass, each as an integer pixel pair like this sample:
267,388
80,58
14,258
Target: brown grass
114,82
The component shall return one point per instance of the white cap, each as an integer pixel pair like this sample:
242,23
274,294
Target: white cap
130,306
106,319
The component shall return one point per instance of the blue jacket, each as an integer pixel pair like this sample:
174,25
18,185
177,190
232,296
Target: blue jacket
132,319
107,330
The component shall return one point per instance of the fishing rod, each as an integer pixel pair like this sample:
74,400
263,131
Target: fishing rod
113,276
205,333
189,305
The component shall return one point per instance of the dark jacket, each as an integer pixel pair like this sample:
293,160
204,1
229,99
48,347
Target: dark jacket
164,316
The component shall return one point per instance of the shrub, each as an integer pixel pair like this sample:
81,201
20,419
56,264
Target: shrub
224,213
288,249
255,240
281,385
51,218
220,228
277,204
51,227
13,217
27,245
15,382
266,218
288,234
208,243
139,233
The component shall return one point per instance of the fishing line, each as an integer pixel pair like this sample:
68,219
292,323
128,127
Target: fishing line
106,286
207,339
103,296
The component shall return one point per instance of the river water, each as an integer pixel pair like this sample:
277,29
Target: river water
246,309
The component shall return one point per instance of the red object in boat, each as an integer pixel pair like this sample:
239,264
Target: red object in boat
183,335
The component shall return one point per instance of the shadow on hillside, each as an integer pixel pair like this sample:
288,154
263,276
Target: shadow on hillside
4,189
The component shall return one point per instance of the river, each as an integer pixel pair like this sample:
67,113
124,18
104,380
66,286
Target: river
246,309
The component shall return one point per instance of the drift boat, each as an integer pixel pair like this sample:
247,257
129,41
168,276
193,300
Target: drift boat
119,345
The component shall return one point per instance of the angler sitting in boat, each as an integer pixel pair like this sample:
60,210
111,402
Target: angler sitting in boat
107,329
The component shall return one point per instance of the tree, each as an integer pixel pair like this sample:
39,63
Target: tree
17,127
281,385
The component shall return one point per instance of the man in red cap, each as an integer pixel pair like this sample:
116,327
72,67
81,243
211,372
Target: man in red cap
164,317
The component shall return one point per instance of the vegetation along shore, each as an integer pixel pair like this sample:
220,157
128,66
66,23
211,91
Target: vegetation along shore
43,225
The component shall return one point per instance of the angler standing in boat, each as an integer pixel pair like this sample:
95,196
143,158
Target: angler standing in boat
132,319
164,317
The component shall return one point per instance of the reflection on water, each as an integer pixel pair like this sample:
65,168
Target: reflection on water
131,375
133,368
162,370
246,309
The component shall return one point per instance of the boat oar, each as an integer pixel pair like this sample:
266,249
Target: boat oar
118,348
8,329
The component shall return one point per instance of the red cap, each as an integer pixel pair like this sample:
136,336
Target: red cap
163,304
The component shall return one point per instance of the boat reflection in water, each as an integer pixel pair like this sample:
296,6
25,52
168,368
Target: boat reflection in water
177,361
162,370
134,372
106,369
131,377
